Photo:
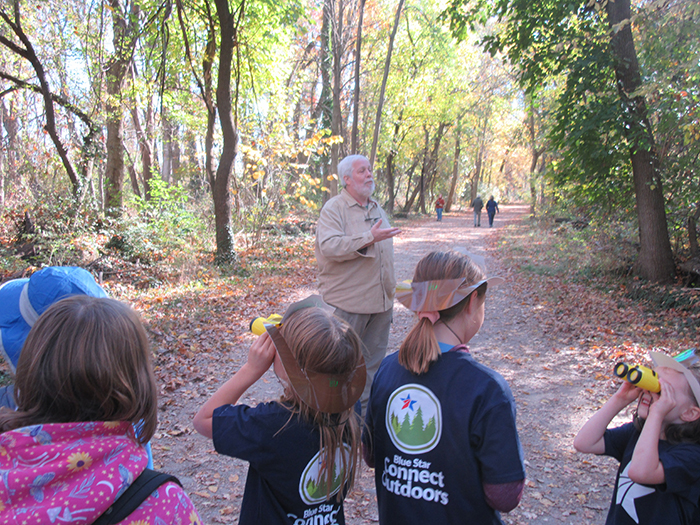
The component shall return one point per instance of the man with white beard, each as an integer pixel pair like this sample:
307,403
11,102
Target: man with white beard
355,256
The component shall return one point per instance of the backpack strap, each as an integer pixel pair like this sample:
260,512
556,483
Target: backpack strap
138,491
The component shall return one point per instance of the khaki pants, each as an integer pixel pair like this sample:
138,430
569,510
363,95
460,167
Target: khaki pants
373,329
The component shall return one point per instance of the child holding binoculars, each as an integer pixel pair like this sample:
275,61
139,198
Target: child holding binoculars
658,480
303,449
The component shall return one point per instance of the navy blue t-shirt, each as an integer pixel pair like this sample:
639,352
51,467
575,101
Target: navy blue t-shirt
673,502
437,437
283,485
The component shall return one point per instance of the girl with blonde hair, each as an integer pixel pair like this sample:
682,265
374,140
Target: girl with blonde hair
302,449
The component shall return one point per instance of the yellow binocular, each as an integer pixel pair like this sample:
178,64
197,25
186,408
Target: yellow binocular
257,325
640,376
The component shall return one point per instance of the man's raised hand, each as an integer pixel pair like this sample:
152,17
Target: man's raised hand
381,234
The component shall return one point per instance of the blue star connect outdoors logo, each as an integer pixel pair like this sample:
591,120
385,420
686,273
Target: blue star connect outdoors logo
313,485
414,419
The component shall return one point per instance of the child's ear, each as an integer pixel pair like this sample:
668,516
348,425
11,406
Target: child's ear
691,414
474,302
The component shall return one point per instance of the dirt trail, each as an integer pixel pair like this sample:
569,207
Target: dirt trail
550,384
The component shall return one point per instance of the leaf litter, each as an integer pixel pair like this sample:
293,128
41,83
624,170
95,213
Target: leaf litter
554,338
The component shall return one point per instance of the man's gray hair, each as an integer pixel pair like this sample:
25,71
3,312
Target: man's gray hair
345,167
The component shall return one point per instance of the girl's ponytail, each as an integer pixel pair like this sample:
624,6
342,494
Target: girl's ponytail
420,348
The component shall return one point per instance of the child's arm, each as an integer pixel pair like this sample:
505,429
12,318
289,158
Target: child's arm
260,357
645,466
590,438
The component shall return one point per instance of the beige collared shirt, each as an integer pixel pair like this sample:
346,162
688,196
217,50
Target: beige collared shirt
357,281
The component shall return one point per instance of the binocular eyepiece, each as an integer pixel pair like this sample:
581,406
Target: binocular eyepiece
257,325
640,376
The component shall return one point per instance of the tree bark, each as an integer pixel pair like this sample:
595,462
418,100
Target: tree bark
323,110
125,28
145,151
409,200
655,261
455,168
481,146
390,165
693,232
387,67
225,253
430,170
336,119
9,121
356,95
535,153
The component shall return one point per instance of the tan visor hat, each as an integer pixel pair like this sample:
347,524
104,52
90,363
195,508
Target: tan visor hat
328,393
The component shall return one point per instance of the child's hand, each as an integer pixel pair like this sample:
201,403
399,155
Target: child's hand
665,401
590,439
261,354
627,393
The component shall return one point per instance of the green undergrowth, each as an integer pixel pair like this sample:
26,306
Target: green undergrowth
570,251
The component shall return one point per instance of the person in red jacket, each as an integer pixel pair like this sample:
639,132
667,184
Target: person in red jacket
439,205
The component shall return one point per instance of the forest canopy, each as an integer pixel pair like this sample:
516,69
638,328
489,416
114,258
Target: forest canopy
203,121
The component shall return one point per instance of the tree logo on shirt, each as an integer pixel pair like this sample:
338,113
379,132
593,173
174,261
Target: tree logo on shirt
414,419
313,486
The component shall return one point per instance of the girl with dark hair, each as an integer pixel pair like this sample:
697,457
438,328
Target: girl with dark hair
440,427
302,449
84,382
658,480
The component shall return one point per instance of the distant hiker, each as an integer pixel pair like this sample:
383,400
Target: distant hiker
69,451
439,205
477,204
491,209
355,257
440,427
658,480
303,450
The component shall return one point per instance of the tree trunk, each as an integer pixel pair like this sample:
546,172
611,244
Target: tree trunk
166,170
390,165
424,172
225,253
655,261
338,45
409,200
455,168
9,121
534,155
125,31
356,95
431,168
145,151
323,109
387,66
114,168
481,147
693,232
